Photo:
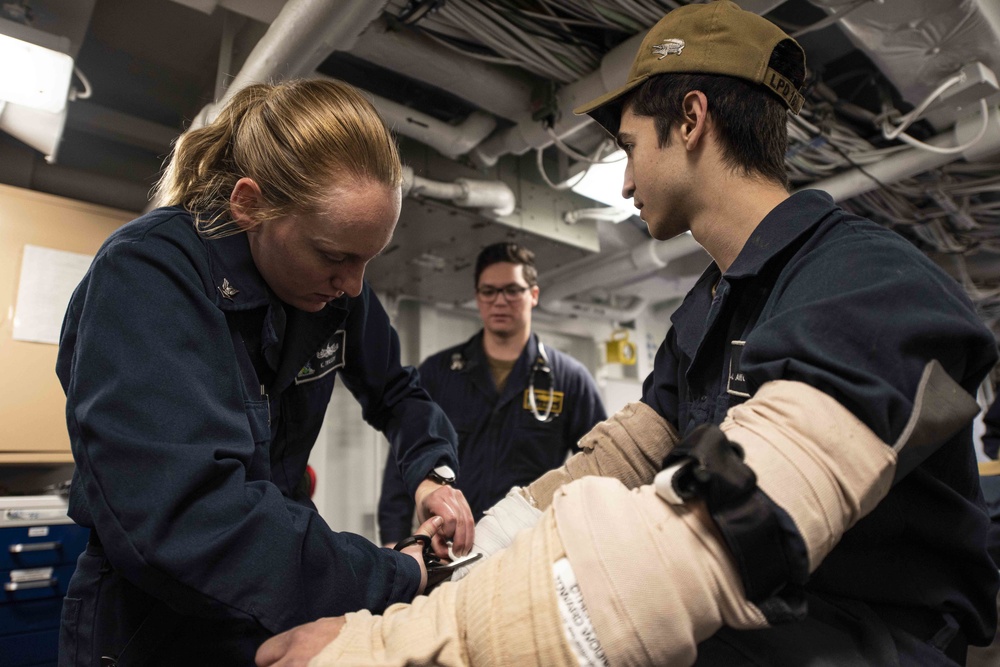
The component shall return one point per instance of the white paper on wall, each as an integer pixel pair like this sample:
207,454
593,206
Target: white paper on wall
48,278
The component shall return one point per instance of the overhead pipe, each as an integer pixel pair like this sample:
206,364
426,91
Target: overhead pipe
501,91
628,266
302,36
89,186
494,197
916,160
450,140
120,127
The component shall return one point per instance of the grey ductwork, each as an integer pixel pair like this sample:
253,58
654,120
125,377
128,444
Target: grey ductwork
504,92
299,39
623,268
449,140
917,44
494,197
915,160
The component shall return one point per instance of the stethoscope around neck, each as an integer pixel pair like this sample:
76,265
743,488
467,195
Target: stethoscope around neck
542,366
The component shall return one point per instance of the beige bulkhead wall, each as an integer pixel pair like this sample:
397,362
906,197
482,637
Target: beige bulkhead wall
32,403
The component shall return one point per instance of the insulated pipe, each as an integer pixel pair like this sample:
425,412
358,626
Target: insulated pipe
91,187
449,140
121,128
628,266
595,310
501,91
624,267
299,39
916,160
495,197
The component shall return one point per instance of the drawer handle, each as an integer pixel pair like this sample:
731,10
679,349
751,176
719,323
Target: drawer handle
12,586
34,546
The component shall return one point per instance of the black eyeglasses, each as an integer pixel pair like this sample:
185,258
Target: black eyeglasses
511,292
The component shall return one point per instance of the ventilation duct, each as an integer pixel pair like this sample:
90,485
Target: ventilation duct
494,198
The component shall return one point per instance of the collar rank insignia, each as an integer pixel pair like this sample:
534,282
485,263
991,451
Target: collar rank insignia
227,290
669,47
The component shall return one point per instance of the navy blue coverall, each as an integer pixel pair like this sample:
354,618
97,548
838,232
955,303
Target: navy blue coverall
820,296
500,443
194,397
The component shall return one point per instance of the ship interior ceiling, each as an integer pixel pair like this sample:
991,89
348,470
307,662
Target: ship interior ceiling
900,123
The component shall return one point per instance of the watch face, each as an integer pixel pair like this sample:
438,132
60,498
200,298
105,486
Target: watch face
443,474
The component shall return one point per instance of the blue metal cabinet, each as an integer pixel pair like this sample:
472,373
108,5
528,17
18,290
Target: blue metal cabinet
39,546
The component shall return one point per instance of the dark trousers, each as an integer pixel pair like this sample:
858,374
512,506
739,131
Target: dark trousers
841,633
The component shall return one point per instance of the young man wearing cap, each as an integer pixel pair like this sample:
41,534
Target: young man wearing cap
818,500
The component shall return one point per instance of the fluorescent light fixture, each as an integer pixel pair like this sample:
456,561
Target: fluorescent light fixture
603,183
35,71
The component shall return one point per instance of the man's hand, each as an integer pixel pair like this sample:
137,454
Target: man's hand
298,646
447,502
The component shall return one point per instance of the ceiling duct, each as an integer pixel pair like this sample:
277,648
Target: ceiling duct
495,198
623,268
915,161
300,38
917,44
504,92
450,140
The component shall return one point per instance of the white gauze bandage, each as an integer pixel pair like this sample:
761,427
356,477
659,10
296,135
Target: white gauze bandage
629,446
496,530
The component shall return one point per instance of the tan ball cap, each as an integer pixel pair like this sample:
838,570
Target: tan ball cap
717,38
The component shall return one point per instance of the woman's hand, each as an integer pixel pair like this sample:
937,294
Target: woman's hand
449,503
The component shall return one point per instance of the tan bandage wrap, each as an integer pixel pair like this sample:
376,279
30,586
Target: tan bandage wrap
629,446
813,458
656,577
504,613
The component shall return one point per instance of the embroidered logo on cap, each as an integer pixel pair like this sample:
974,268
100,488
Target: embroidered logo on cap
669,47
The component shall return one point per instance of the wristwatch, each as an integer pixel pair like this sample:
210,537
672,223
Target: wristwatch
442,475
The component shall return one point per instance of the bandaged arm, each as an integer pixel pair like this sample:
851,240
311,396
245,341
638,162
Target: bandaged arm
656,577
628,446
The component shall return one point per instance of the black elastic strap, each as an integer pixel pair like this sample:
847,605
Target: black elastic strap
767,550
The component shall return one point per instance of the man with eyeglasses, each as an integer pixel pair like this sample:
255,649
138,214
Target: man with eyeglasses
518,405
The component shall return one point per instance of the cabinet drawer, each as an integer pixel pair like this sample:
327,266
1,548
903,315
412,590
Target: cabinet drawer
38,546
16,586
29,616
32,649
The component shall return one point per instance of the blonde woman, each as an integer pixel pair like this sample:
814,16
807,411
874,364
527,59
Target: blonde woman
198,356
